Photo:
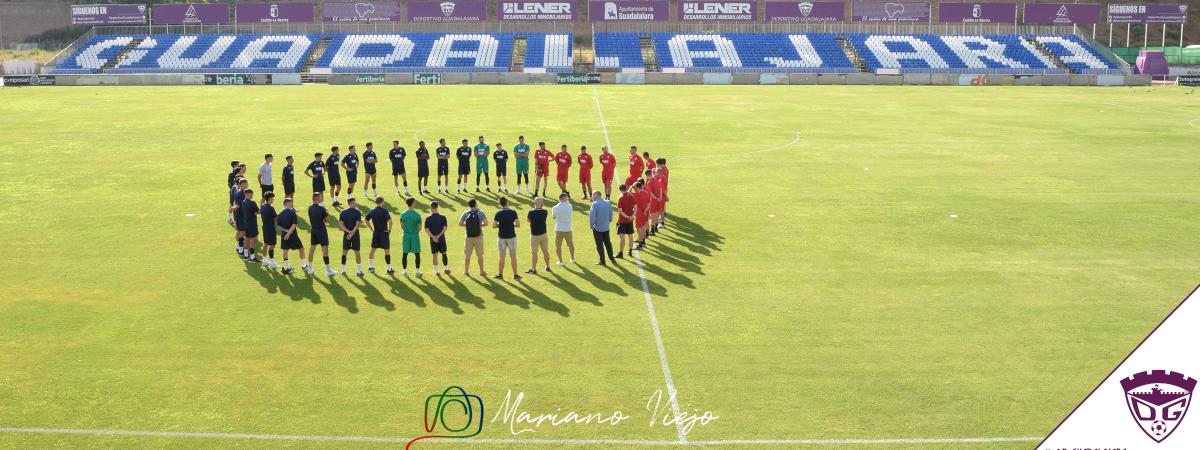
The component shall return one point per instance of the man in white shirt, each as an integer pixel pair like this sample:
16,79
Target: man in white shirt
264,174
562,227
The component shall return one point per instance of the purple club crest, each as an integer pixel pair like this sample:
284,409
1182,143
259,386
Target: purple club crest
1158,400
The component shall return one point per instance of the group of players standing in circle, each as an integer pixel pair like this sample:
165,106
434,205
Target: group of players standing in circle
640,208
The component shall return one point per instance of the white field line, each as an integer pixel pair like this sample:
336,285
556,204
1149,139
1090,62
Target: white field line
662,351
610,442
1194,123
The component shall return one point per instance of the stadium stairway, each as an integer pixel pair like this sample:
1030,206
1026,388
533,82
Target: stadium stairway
649,58
1058,62
852,54
518,54
306,74
121,55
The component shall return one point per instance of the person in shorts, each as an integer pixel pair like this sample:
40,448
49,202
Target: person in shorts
443,166
538,237
379,220
626,213
506,223
562,227
435,227
269,237
410,224
473,220
288,223
350,221
521,159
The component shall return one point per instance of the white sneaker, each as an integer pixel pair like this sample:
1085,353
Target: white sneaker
264,263
404,273
573,262
343,272
274,266
310,270
359,273
418,272
329,271
560,262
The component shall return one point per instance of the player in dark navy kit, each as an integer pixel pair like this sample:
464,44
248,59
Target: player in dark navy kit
236,195
249,213
318,216
350,163
335,177
379,220
369,161
233,173
443,166
316,171
396,155
289,178
464,165
350,221
290,239
422,168
500,156
269,237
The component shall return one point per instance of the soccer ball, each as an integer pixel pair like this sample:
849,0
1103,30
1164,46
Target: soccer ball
1158,427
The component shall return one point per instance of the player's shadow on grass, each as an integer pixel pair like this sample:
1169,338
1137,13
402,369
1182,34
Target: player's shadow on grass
373,296
530,295
274,281
340,296
400,288
598,280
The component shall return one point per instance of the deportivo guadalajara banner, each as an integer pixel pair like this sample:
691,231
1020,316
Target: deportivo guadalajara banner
535,10
447,11
1147,13
717,11
360,12
108,14
890,11
629,10
189,13
977,13
802,11
1061,13
276,12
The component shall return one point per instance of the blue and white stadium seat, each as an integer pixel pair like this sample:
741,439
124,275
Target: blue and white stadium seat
1078,55
910,53
204,53
727,52
444,52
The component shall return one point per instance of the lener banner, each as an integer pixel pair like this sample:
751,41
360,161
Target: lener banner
801,11
108,14
275,12
361,12
447,11
189,13
1146,13
629,10
536,10
1061,13
716,11
890,12
977,12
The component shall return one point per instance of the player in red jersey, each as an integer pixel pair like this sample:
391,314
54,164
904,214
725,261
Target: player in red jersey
585,170
641,195
666,174
541,158
636,166
608,168
563,159
657,198
626,212
650,165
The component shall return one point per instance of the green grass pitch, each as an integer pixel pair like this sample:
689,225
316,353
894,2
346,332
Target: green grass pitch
923,262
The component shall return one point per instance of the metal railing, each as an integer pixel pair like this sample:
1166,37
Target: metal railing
1103,49
68,51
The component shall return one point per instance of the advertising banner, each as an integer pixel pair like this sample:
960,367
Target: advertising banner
629,10
1146,13
535,10
802,11
369,78
977,12
236,79
275,12
1188,80
427,78
108,14
189,13
718,11
890,11
30,80
360,12
1061,13
578,78
447,11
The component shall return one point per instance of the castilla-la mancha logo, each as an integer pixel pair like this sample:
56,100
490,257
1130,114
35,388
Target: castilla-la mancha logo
1158,400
